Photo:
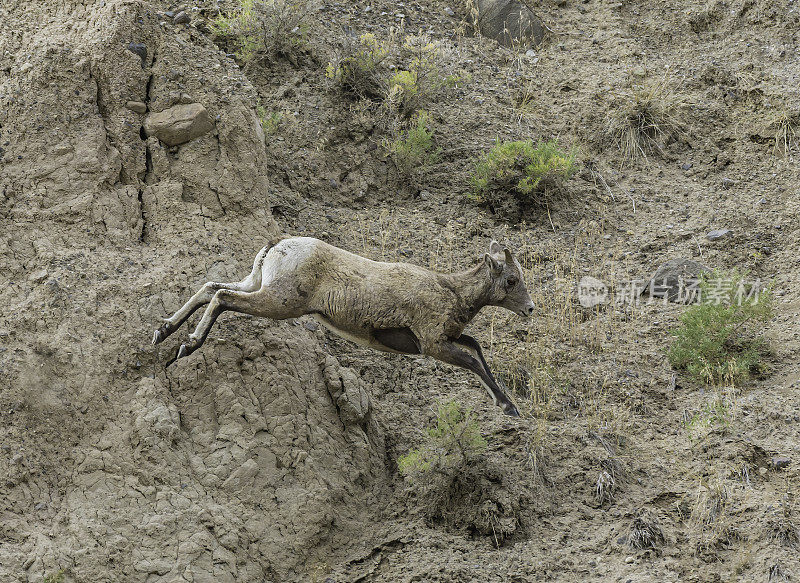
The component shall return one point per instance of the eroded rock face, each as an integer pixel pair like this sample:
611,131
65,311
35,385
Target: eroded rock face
179,124
232,466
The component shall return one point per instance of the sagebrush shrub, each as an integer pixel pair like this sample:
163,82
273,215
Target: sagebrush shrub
513,176
454,440
720,338
359,69
263,28
414,148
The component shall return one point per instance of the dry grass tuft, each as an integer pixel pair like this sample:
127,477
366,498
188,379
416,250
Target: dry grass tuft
605,487
644,119
645,531
713,521
786,128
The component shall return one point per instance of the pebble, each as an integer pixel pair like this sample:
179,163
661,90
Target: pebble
310,325
530,53
40,506
38,276
449,11
686,166
779,463
718,234
140,50
629,560
727,183
181,18
136,106
424,194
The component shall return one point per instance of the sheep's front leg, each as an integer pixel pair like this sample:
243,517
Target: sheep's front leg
465,352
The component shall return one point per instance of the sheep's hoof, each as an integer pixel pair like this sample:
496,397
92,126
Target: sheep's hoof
161,334
183,351
510,409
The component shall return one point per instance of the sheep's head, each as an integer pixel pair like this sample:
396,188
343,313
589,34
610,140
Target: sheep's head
508,286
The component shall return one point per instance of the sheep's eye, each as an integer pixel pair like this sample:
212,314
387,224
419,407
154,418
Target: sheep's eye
511,281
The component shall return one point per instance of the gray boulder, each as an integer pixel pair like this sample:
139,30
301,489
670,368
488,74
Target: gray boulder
676,280
509,22
179,124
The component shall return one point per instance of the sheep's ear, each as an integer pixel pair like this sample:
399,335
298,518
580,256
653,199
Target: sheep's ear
509,257
494,265
495,248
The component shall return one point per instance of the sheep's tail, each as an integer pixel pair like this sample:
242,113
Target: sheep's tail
261,255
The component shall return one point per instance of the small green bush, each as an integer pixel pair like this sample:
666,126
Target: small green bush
414,149
454,440
270,122
402,77
57,577
257,29
420,79
358,71
520,174
719,340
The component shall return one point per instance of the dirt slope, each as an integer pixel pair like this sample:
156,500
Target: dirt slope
271,453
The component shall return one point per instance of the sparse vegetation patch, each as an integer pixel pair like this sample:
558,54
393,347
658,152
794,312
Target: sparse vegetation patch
360,66
454,481
263,29
455,440
786,127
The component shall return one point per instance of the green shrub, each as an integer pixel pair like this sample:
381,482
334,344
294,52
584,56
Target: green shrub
515,175
257,29
420,79
454,440
57,577
414,149
270,122
402,77
359,69
719,340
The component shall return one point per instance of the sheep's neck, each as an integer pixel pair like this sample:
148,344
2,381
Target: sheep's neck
473,288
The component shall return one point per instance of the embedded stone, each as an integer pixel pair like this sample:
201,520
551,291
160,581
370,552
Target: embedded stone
677,280
179,124
136,106
509,22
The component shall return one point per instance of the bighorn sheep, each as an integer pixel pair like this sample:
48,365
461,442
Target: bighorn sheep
392,307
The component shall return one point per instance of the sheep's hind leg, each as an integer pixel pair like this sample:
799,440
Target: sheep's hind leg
261,303
249,284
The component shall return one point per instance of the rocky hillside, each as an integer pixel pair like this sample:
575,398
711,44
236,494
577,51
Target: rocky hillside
145,151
